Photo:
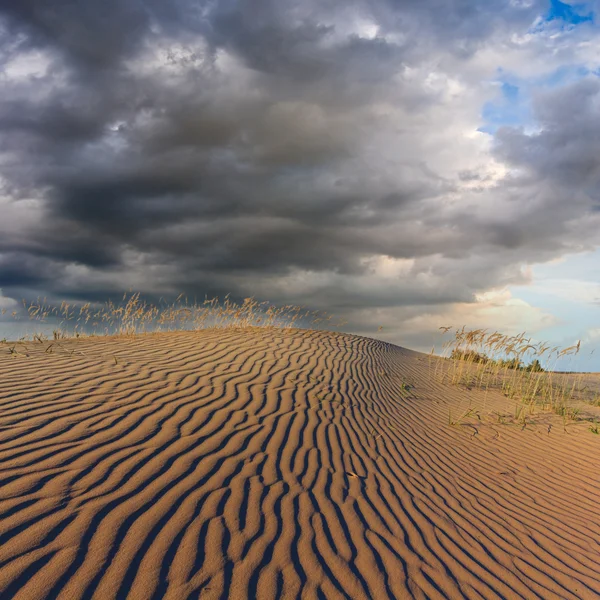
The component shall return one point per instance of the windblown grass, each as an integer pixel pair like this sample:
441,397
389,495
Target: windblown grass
133,315
523,371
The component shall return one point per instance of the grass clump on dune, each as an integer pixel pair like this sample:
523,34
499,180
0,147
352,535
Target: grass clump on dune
51,323
133,315
521,370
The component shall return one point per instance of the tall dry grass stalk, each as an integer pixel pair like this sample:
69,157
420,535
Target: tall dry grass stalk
132,315
522,370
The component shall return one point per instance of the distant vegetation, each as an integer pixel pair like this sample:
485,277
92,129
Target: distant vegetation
508,363
520,369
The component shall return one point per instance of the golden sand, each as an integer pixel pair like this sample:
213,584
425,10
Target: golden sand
263,463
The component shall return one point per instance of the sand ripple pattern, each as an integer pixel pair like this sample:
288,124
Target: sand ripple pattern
269,463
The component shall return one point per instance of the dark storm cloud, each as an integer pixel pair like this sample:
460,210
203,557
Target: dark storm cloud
92,34
228,146
21,270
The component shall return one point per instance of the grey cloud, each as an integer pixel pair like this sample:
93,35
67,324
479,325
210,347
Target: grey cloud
565,150
228,146
92,34
19,270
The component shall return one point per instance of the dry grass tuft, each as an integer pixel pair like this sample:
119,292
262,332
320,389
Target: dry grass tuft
132,315
515,366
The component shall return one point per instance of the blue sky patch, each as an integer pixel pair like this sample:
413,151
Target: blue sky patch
573,14
577,312
510,92
510,109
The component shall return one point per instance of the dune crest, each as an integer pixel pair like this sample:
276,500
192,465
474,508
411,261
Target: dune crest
266,463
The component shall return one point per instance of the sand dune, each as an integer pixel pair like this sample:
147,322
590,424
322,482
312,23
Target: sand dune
279,464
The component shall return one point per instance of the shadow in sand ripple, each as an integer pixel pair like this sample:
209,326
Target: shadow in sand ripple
266,463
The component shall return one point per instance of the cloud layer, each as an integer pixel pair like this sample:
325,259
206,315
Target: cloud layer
300,152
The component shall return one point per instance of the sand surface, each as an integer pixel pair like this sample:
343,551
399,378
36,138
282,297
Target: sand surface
280,464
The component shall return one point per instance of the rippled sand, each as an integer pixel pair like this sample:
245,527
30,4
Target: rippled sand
269,463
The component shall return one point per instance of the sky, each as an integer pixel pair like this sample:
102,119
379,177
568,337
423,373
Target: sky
402,164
